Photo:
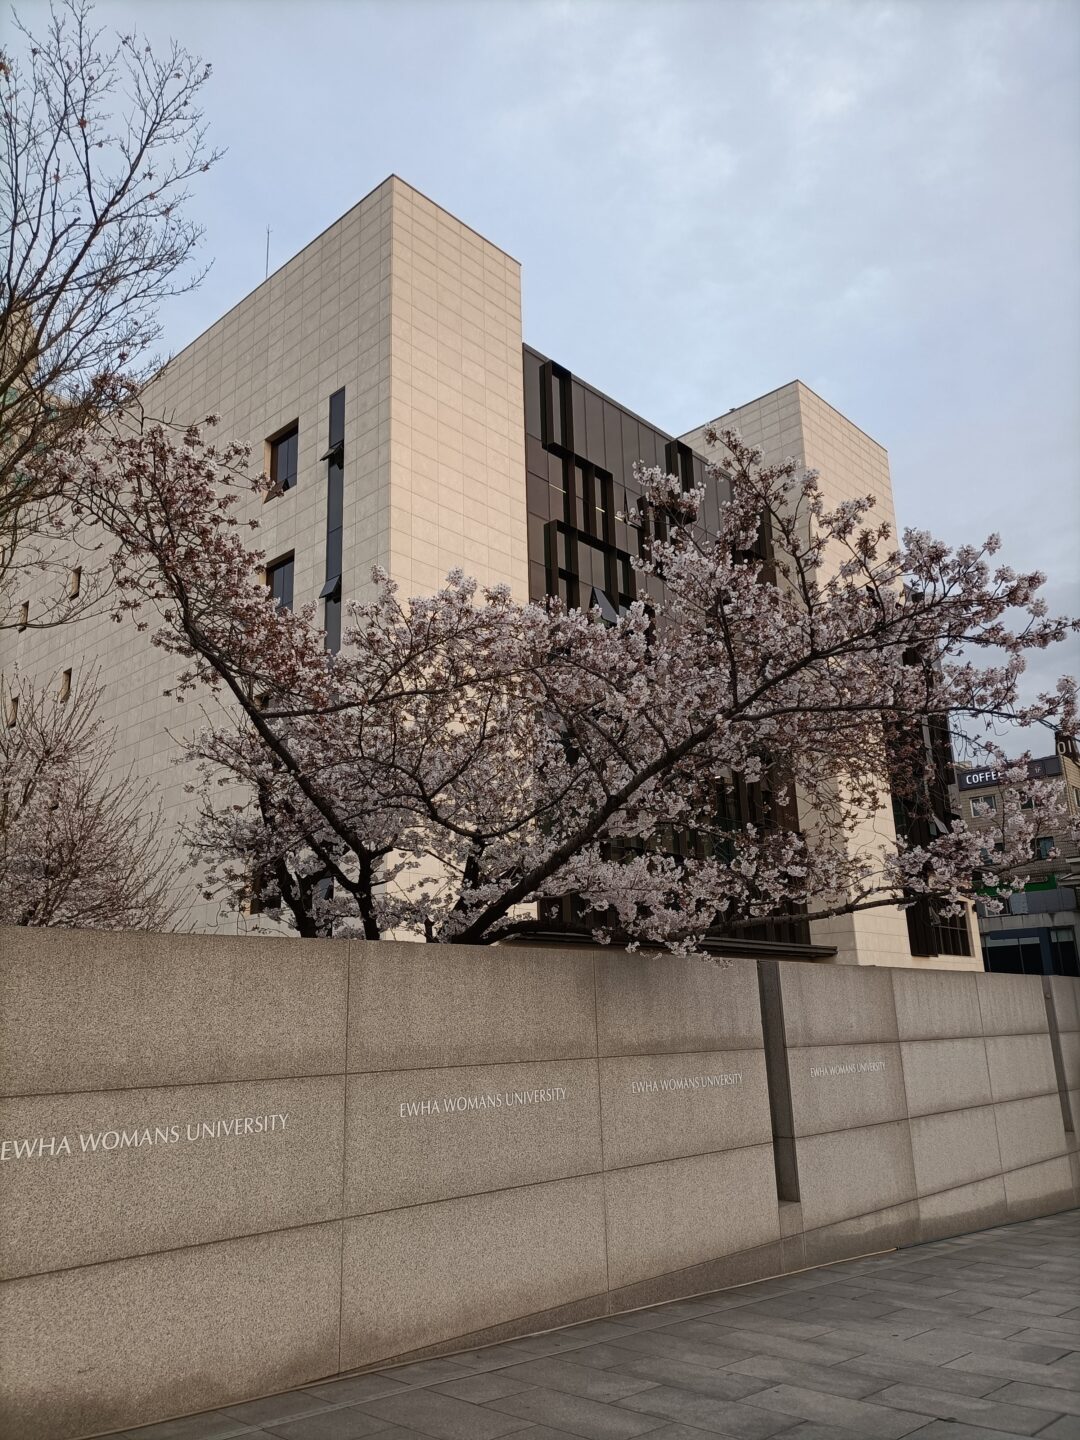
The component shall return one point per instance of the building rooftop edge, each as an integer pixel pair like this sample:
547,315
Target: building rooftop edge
788,385
424,196
387,180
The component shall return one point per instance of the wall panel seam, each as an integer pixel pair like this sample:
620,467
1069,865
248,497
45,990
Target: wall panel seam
344,1153
171,1250
600,1104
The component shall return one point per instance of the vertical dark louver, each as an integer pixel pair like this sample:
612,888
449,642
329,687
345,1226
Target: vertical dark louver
679,460
335,497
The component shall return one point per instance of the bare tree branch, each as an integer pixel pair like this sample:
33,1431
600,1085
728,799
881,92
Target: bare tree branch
100,139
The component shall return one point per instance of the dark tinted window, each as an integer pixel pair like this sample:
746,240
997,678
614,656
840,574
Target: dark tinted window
1063,955
279,580
1013,954
283,453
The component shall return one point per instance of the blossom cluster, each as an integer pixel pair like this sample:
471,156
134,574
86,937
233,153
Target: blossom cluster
465,755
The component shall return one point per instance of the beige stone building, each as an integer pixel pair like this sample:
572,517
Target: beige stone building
794,422
381,377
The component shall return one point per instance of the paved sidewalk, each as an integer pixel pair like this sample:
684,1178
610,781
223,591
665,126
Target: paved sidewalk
974,1338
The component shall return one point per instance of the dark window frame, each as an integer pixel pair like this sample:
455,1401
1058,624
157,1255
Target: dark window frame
285,567
281,486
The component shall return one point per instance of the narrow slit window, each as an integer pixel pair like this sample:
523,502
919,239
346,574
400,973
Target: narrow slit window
65,686
75,583
335,503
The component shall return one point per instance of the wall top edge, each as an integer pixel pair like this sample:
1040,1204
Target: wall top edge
17,937
391,182
404,184
794,385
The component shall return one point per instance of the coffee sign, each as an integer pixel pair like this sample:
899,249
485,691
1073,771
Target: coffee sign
984,779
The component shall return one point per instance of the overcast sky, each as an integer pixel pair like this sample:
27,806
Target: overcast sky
710,199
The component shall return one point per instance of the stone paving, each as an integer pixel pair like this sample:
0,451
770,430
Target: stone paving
972,1338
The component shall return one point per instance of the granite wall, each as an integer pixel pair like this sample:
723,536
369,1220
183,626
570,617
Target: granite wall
923,1104
231,1166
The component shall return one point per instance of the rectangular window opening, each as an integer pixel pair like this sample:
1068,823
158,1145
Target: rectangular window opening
279,581
65,686
264,894
75,583
284,452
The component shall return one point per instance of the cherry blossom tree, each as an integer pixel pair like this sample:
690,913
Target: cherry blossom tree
77,847
465,756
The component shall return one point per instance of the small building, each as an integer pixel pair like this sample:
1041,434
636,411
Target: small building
1036,933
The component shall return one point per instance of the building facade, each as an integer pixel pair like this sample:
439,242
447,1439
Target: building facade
1036,933
380,377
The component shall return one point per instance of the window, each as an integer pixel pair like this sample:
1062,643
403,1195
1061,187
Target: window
1063,956
279,581
265,893
12,712
335,501
65,686
953,936
983,806
1043,845
1014,954
24,615
284,449
75,582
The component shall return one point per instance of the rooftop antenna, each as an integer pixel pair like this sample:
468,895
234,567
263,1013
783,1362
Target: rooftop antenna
267,252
